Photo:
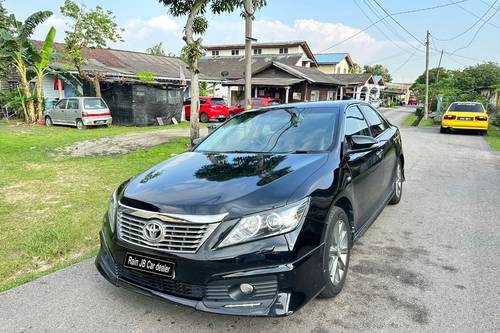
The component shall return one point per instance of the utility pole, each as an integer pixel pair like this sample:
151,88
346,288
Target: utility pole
249,11
426,105
439,66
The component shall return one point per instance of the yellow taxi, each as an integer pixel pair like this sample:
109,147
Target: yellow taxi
465,116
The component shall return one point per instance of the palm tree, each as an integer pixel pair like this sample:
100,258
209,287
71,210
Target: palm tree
16,49
41,63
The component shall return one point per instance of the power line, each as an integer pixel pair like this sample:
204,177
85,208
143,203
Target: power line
469,28
428,8
478,29
405,62
396,21
474,14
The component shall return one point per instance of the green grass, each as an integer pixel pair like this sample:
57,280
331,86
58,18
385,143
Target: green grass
423,123
51,208
493,137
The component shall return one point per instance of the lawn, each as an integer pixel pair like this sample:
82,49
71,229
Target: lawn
423,123
51,207
493,137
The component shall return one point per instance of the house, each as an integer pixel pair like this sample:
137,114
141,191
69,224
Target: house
492,94
334,63
301,48
138,87
358,86
397,92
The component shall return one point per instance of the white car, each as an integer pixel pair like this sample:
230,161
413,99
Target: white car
80,112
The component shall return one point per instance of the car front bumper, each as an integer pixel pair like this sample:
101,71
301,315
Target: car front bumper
281,287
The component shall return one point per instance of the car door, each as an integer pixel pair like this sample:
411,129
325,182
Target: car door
381,130
72,111
364,166
59,112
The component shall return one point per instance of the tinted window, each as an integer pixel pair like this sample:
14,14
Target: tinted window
94,103
218,101
277,130
377,124
466,107
61,104
72,104
355,122
202,101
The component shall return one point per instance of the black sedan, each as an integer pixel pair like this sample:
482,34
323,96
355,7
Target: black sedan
260,217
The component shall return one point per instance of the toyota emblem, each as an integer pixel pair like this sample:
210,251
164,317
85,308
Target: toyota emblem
152,231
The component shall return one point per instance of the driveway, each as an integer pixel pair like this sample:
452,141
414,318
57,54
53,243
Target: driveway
430,264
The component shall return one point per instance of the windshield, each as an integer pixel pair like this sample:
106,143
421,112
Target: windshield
466,107
218,101
94,103
280,130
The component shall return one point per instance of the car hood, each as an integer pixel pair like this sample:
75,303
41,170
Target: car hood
215,183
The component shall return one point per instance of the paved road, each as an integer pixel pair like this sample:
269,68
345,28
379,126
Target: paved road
430,263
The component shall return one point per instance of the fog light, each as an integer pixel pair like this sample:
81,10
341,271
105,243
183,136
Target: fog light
246,288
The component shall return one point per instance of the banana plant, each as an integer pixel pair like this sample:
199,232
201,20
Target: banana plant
41,61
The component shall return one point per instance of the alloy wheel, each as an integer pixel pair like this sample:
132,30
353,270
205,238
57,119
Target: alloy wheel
339,251
399,180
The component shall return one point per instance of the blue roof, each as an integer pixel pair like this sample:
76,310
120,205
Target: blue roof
377,78
330,58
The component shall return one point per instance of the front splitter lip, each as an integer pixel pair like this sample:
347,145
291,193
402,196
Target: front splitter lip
109,275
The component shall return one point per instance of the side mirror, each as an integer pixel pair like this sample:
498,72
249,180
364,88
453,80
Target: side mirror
362,143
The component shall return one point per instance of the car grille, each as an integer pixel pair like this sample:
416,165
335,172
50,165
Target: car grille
162,284
177,236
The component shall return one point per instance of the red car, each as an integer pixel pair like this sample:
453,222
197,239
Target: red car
211,108
257,102
412,101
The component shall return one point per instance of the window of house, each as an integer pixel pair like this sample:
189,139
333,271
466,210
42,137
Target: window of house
13,85
235,52
283,50
355,123
215,53
257,51
377,124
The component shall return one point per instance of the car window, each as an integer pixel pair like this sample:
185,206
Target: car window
466,107
218,101
94,103
202,101
61,104
377,124
72,104
187,101
274,130
257,102
355,123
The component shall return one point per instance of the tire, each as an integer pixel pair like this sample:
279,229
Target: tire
336,252
79,124
483,133
398,185
204,118
48,121
442,130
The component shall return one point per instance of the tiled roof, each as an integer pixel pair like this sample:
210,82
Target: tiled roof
311,74
350,79
213,67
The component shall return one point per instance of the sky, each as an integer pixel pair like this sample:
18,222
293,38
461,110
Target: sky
324,24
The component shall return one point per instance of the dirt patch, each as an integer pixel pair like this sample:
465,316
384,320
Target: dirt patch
121,144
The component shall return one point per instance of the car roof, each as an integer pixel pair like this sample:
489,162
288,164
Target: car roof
341,105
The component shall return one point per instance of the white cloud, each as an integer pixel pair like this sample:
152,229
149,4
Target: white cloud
58,22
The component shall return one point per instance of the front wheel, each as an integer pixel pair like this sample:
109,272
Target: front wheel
398,185
48,121
337,250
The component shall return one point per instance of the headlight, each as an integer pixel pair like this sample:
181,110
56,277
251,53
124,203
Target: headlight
113,205
268,223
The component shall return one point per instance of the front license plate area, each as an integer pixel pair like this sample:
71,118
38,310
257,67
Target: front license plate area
149,265
464,118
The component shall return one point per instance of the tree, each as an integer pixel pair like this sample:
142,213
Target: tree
156,49
378,70
42,60
196,24
4,17
16,50
90,28
355,69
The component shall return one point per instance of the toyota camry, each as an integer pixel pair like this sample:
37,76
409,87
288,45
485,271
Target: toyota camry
260,216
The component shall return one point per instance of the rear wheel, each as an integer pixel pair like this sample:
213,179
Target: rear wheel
79,124
443,130
336,253
483,132
204,118
48,121
398,185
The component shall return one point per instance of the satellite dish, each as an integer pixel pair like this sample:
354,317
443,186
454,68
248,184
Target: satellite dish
224,73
